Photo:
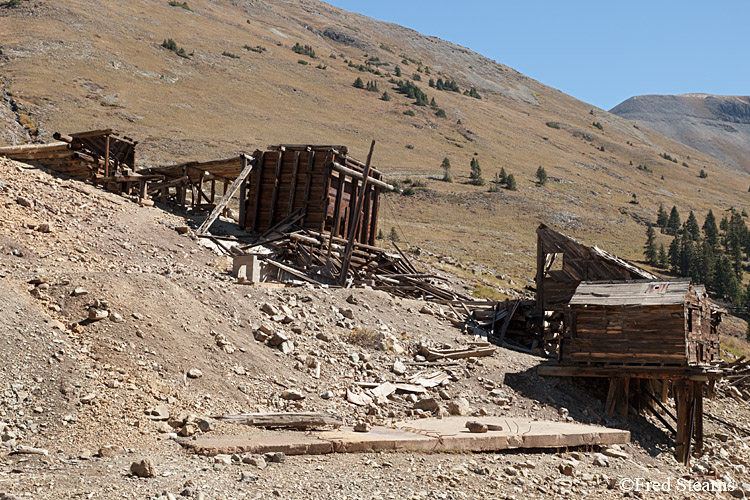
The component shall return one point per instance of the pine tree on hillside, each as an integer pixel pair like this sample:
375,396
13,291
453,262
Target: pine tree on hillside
503,176
674,254
650,251
446,166
692,229
710,230
359,84
663,260
476,173
510,183
662,218
673,224
541,176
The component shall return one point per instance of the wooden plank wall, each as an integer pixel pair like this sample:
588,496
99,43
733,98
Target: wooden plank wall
290,179
625,334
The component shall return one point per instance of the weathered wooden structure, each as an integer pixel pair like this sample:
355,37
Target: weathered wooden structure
99,156
646,334
562,263
317,186
648,322
193,185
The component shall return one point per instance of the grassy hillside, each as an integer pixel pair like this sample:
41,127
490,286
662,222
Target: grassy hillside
74,65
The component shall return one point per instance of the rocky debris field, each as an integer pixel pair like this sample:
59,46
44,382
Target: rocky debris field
121,333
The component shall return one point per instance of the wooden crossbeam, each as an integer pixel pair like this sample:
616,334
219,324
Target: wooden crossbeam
247,165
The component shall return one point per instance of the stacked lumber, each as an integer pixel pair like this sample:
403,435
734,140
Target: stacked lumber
60,156
736,379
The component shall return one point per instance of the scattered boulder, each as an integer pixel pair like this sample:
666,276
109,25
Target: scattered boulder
568,467
427,404
362,427
277,339
96,314
110,450
157,413
459,406
44,227
476,427
601,460
24,202
292,395
144,468
614,451
78,291
194,373
399,368
276,457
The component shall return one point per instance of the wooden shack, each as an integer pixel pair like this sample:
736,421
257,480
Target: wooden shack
562,263
96,155
314,187
646,323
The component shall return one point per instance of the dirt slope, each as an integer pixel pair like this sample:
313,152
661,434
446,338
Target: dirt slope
716,125
87,391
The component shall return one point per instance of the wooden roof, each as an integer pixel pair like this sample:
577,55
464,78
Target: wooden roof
557,242
634,293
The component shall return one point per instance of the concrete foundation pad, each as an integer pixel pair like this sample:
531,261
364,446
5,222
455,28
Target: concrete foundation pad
432,434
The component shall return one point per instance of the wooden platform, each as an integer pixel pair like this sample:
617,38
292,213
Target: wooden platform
426,435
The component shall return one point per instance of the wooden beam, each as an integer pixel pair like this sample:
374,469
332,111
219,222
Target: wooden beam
106,157
353,230
359,176
258,191
275,193
293,184
308,183
247,165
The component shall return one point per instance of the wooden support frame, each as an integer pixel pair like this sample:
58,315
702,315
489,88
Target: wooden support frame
248,162
276,184
258,191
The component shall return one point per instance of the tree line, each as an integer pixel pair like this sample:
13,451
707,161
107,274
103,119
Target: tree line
712,254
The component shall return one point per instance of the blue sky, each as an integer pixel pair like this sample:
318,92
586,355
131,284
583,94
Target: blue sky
601,52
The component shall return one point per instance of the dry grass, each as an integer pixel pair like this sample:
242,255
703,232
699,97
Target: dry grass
210,106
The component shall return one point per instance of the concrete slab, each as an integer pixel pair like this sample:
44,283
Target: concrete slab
515,433
432,434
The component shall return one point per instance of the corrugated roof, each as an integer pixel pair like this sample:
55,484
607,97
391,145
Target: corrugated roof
625,293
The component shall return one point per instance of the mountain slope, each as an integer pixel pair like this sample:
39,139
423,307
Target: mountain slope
75,65
716,125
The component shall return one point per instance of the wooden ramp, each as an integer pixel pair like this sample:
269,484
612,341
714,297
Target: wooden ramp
432,435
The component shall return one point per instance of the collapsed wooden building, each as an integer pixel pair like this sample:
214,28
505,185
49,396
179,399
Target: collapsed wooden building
99,156
651,337
315,186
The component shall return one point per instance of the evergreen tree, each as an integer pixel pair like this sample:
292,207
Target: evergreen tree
663,260
398,71
476,173
674,254
381,236
394,234
359,84
691,227
673,224
650,251
541,176
510,183
706,264
503,176
432,83
446,166
710,231
662,218
386,97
